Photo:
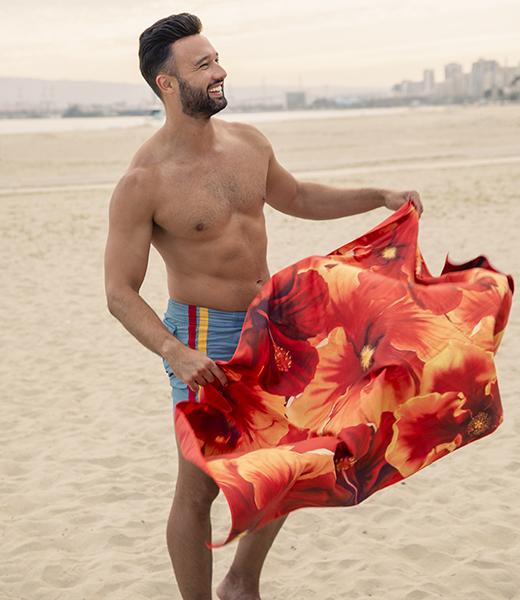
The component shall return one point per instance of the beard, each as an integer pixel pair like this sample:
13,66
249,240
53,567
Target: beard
197,103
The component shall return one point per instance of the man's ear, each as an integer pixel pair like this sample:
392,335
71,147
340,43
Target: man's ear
166,83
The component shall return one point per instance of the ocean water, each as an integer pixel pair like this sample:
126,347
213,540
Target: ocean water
54,125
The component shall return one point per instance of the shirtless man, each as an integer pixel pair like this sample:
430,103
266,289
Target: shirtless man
196,190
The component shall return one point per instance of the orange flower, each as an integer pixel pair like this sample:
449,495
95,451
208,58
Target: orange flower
486,294
381,309
256,483
458,403
390,247
354,387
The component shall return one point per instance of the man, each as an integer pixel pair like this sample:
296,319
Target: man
196,190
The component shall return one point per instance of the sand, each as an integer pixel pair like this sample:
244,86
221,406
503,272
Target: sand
88,457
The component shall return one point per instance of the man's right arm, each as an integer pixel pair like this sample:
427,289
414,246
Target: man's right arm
126,260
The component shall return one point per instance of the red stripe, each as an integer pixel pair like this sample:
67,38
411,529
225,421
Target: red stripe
192,341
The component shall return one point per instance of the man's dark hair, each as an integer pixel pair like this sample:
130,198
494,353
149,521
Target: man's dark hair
155,45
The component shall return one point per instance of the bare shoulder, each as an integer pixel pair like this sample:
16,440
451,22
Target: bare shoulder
137,182
133,196
137,187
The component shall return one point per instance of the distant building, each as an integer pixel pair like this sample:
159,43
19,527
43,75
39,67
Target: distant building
452,71
456,87
429,81
502,83
415,89
295,100
478,71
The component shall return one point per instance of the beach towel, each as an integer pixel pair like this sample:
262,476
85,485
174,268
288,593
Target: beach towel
354,371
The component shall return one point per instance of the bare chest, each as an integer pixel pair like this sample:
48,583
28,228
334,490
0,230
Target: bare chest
201,199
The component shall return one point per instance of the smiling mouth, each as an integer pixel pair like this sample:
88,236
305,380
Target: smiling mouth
217,90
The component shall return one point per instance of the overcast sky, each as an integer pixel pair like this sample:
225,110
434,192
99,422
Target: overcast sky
289,42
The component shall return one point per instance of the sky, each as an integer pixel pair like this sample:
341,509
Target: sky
298,43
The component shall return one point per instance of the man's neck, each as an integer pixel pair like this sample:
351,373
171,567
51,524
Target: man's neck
187,134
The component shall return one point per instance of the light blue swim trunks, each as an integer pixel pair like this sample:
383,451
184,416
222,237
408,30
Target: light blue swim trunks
214,332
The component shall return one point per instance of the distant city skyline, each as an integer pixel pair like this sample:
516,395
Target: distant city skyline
486,79
296,43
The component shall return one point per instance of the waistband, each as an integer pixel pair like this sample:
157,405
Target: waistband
183,311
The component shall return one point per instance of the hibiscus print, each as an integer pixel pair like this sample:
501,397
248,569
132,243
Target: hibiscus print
354,370
280,323
458,403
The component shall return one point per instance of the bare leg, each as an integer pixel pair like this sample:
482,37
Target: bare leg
243,579
189,527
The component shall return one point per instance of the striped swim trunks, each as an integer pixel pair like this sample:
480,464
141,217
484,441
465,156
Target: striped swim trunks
214,332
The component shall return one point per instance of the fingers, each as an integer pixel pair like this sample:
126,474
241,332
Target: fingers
220,375
394,200
415,199
207,374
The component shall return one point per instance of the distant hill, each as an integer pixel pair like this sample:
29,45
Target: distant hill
41,94
276,94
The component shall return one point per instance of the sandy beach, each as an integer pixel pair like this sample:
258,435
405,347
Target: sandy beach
88,458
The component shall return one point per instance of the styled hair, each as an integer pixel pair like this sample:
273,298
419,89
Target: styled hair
155,45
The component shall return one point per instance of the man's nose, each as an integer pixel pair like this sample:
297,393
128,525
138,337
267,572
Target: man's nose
220,72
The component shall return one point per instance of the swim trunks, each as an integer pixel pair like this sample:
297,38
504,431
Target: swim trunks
214,332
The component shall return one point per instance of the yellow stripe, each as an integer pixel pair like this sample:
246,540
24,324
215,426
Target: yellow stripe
203,330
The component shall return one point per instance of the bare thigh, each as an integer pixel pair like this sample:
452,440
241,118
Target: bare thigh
194,488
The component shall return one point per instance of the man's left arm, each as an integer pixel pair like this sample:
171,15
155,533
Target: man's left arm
317,201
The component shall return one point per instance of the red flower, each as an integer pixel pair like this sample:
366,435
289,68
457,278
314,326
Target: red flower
486,294
360,461
294,301
274,350
439,299
248,419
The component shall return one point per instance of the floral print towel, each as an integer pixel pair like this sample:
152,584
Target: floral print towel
353,371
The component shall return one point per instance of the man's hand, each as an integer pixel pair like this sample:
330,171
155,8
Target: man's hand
195,369
394,200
